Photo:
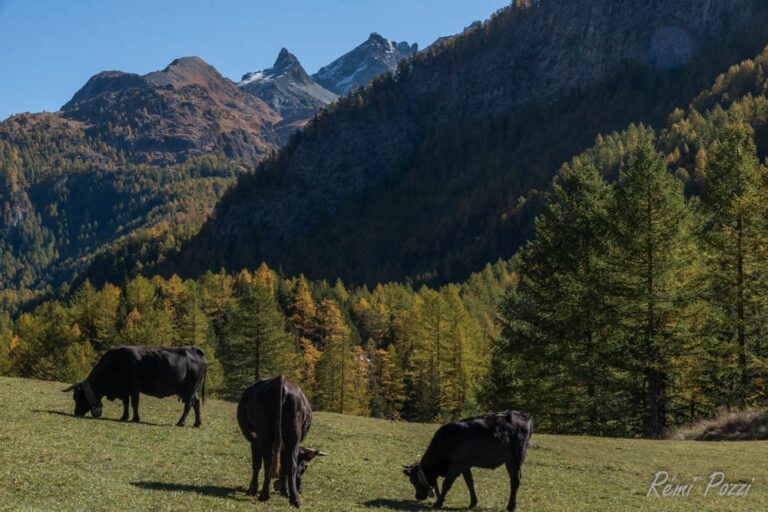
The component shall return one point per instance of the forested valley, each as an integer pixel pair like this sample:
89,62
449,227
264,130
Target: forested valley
391,352
640,304
625,297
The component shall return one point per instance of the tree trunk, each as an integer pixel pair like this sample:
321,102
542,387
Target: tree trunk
655,379
655,420
740,306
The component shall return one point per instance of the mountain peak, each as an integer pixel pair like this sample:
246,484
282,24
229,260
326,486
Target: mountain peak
288,61
286,67
375,37
185,71
288,89
187,62
106,82
376,56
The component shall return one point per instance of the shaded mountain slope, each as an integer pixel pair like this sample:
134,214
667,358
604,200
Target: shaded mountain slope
433,172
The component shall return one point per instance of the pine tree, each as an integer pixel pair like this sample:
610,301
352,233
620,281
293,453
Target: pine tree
83,305
736,198
216,298
256,344
194,328
310,355
554,351
334,368
427,365
140,294
372,320
358,395
462,360
387,387
105,318
6,344
652,246
302,311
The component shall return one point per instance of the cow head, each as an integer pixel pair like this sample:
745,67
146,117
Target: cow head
85,399
305,457
424,488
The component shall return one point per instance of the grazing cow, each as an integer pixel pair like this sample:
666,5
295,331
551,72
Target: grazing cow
275,416
484,442
125,372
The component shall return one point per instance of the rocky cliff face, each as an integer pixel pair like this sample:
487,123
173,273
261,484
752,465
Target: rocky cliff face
549,68
537,53
186,110
357,68
289,91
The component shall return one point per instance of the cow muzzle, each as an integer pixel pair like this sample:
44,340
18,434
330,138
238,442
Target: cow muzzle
96,411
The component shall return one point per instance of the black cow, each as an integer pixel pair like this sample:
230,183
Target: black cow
484,442
125,372
275,416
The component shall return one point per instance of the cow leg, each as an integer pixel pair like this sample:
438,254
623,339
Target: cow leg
284,480
264,495
292,470
447,483
135,403
471,485
124,417
196,405
183,419
256,465
514,479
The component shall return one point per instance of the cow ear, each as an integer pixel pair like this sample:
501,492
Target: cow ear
308,454
407,470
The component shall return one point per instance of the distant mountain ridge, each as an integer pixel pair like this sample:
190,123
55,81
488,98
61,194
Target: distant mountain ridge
358,67
133,164
297,97
188,109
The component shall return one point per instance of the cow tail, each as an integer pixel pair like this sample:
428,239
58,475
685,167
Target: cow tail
277,441
205,378
201,353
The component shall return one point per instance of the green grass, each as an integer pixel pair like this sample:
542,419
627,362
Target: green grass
50,460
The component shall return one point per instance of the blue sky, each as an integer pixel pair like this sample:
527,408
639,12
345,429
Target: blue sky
51,47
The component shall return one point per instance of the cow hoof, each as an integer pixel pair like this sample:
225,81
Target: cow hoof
472,504
124,419
252,492
180,424
197,425
264,496
296,503
135,420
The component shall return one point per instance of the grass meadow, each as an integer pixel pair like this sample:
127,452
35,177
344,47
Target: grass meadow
50,460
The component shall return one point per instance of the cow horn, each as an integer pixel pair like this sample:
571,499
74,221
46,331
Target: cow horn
322,454
70,388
